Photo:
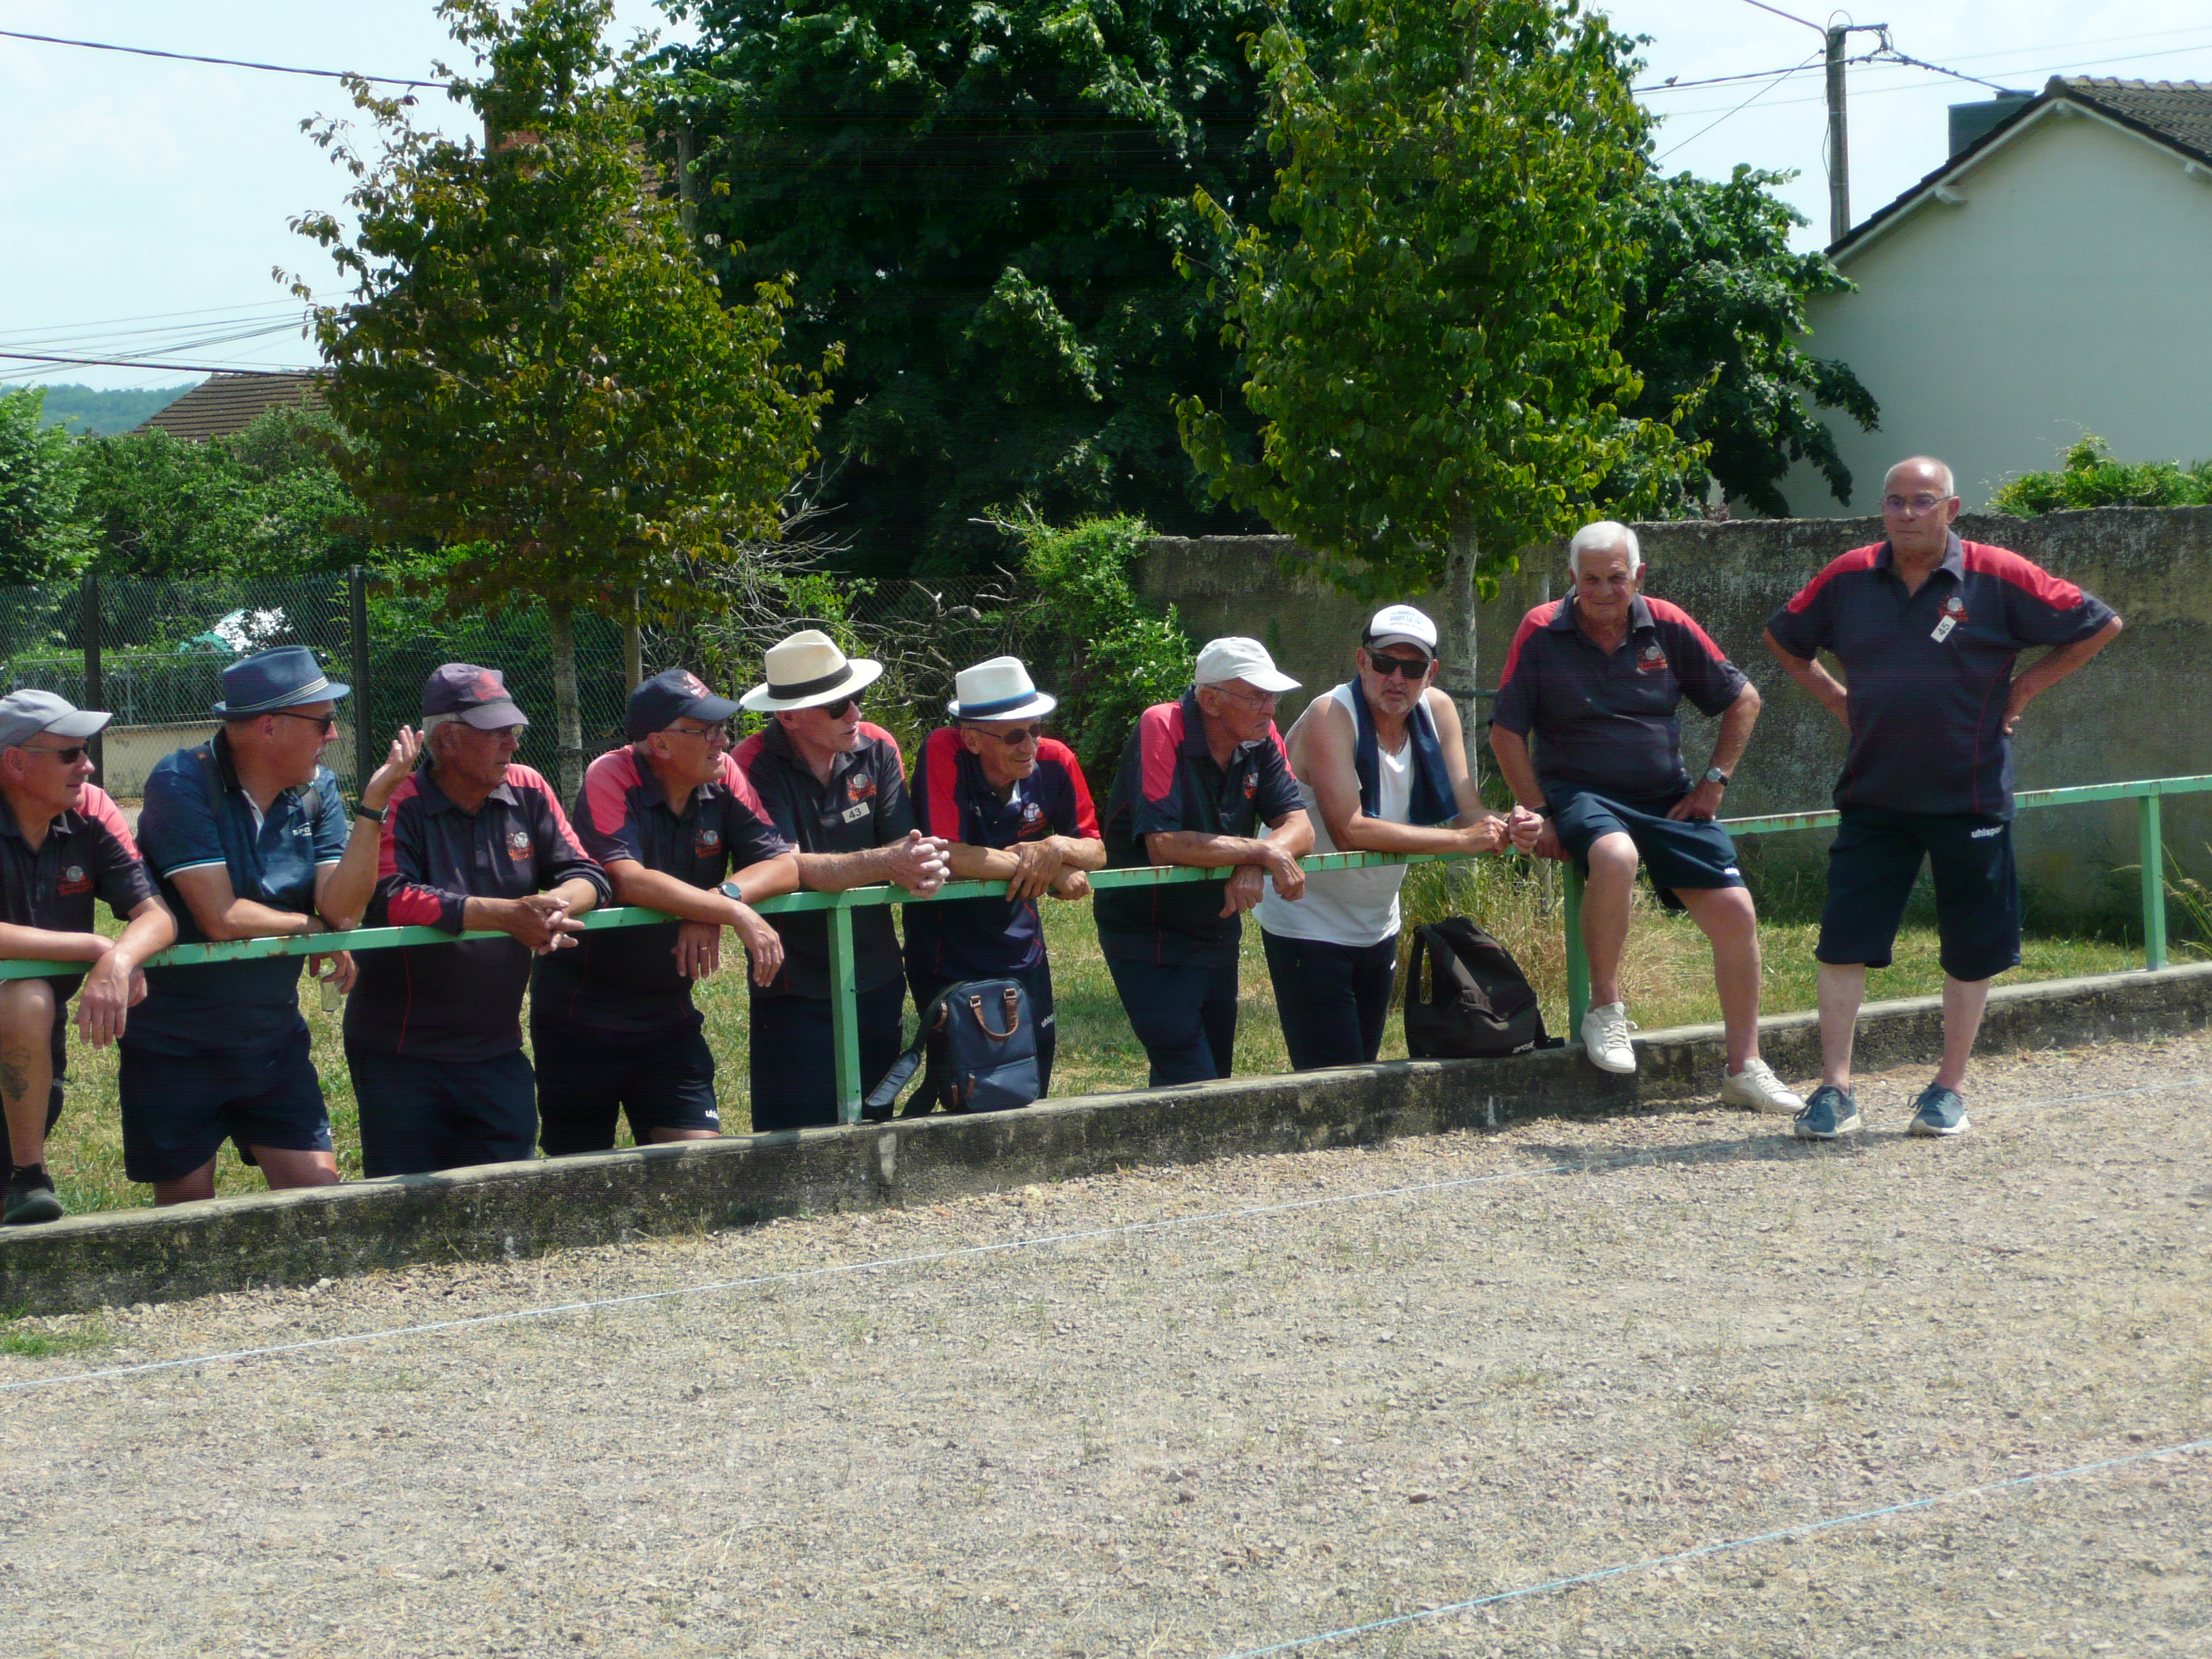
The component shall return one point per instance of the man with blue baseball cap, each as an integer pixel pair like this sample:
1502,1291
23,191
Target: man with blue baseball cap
62,843
248,839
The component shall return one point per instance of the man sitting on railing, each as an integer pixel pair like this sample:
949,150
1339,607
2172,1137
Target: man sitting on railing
1197,779
62,841
248,838
612,1024
472,843
1013,806
1927,627
1598,676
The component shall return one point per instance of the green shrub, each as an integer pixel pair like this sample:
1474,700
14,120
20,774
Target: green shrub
2089,477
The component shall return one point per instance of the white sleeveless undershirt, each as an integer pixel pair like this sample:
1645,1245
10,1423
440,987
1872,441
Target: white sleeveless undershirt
1349,907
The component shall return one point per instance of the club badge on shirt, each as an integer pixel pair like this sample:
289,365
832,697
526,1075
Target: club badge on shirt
518,845
1654,659
74,880
860,790
707,842
1954,612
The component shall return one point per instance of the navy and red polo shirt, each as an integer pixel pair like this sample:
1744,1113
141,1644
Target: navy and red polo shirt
1168,779
984,938
863,805
1605,721
88,853
624,980
1929,672
459,1002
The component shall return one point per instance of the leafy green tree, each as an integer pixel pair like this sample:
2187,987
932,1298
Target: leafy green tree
41,540
1428,330
1716,305
535,374
984,204
2088,476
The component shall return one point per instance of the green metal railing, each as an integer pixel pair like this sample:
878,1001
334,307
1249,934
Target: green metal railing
2150,840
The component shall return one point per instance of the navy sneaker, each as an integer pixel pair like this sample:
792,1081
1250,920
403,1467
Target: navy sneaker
30,1197
1939,1111
1829,1115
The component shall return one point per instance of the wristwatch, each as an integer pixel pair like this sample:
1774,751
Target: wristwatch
1714,774
373,814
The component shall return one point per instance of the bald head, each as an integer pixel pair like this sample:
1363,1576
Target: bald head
1918,475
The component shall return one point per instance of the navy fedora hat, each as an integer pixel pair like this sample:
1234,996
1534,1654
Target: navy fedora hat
282,679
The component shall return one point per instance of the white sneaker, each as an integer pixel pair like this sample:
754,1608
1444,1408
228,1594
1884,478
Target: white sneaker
1757,1087
1605,1037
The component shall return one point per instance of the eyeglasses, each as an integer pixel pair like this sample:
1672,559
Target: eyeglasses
717,732
1916,506
68,756
493,733
326,724
1410,668
1015,738
1249,699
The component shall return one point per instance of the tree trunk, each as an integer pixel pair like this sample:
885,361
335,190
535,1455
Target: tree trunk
633,647
569,715
1456,641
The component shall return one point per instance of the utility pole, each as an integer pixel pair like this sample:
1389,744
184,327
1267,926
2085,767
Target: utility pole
1840,146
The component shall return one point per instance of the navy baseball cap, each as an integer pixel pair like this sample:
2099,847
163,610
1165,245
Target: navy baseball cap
282,679
478,695
676,695
25,714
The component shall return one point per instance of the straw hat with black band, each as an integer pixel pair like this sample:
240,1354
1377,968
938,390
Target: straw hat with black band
808,670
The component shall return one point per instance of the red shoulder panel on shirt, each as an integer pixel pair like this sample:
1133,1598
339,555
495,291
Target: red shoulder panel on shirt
735,780
872,733
1159,737
607,783
1058,754
528,777
745,753
1282,749
940,809
2024,573
1540,617
100,808
1859,558
1666,611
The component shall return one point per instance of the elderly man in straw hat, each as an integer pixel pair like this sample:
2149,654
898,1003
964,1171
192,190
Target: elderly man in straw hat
834,787
1199,779
1013,806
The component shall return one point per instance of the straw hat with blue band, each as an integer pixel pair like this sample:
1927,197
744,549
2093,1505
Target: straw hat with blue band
1000,690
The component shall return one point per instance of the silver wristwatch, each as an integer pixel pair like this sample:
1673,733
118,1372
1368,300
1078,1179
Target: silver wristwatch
1714,774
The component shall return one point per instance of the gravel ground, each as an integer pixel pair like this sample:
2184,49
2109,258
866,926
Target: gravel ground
1226,1407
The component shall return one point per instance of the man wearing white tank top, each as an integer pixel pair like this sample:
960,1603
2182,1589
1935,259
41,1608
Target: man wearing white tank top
1380,768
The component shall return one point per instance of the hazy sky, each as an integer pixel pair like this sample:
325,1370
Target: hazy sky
140,195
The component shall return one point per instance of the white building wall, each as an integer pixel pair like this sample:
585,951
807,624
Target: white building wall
2070,291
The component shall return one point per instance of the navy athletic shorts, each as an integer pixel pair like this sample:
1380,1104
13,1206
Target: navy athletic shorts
1676,851
178,1109
418,1114
1873,863
587,1078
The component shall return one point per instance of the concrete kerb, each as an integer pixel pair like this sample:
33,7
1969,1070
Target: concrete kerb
510,1211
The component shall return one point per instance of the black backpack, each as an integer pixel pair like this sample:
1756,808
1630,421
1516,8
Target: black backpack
983,1030
1478,1004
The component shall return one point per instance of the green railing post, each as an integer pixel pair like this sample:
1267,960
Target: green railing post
2151,836
1577,958
844,1014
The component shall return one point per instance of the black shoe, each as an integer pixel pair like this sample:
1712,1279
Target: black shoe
30,1197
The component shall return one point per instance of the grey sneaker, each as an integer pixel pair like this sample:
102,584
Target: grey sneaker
1604,1038
1830,1115
30,1197
1757,1087
1939,1111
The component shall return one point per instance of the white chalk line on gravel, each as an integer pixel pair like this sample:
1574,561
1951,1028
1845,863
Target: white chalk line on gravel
1802,1530
882,1264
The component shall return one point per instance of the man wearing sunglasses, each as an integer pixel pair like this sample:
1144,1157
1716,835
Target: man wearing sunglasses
1013,806
249,838
1927,627
1598,677
1380,768
678,830
62,843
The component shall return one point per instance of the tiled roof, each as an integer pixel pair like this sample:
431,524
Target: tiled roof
2175,113
225,404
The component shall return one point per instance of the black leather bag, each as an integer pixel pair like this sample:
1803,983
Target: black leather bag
983,1035
1477,1004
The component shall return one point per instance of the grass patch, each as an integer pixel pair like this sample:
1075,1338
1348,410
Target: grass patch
83,1336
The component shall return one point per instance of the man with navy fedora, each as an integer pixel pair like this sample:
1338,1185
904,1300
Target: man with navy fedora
835,786
248,838
1010,805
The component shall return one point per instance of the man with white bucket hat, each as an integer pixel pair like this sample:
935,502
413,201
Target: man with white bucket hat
1199,777
1013,806
834,787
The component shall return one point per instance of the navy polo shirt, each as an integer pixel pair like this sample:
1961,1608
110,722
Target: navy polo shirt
985,938
1168,779
624,980
459,1002
863,805
1605,721
198,816
88,853
1929,672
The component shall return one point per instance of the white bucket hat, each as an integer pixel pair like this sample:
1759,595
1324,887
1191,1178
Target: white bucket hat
806,670
1000,690
1236,658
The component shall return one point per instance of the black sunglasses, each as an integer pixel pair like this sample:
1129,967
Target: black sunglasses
68,756
1412,668
326,723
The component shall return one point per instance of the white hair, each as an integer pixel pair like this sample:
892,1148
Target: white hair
431,723
1950,483
1604,534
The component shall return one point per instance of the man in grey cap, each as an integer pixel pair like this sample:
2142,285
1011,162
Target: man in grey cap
62,841
248,838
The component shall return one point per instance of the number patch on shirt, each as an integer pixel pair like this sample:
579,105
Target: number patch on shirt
1943,629
855,813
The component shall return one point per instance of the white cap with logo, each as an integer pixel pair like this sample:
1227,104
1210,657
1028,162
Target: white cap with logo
1236,658
1402,624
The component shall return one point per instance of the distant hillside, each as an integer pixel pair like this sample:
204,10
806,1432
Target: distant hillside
82,410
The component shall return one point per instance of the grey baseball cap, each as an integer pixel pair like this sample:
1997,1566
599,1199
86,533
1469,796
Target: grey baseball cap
25,714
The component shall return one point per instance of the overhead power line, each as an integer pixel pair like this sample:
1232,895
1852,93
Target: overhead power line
141,362
1917,85
226,63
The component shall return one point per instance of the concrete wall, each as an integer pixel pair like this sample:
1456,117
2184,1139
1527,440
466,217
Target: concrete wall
129,753
2144,710
2064,292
